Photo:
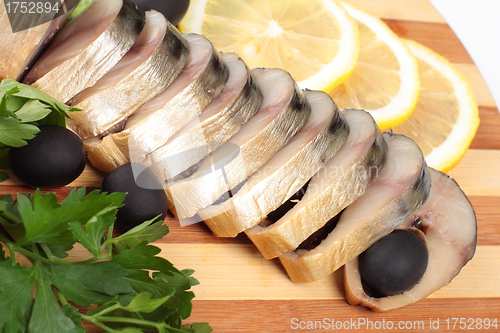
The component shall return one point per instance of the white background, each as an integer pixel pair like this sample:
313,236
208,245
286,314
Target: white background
477,25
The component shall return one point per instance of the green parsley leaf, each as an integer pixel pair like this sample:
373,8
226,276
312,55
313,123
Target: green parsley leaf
33,110
10,219
60,251
8,105
14,133
72,313
197,328
143,256
78,283
21,107
47,221
3,176
145,232
92,234
28,92
16,284
47,315
127,286
144,303
163,280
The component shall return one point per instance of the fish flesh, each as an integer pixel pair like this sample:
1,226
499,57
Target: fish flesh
86,48
341,181
401,187
146,43
157,68
449,224
220,120
283,112
25,36
285,173
202,78
200,82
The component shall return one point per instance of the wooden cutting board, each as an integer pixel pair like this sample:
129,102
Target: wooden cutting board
240,291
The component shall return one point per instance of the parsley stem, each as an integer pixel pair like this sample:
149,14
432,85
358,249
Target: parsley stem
34,256
104,311
10,246
109,236
101,325
47,251
51,257
62,298
158,326
10,217
12,254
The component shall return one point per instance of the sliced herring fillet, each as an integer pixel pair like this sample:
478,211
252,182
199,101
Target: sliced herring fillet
18,50
203,77
86,48
150,37
448,221
224,116
283,112
285,173
341,181
151,71
397,192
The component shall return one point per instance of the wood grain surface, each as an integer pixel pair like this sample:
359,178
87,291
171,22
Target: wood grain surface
240,291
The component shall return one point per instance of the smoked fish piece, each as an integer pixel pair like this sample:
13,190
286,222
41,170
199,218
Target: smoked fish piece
218,122
283,113
334,187
449,226
86,48
23,37
152,69
400,189
202,78
285,173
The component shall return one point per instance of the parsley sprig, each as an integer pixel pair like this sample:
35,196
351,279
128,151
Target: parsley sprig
127,285
22,109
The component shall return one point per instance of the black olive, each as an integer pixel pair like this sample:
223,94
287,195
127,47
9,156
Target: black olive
145,198
393,264
54,158
173,10
288,205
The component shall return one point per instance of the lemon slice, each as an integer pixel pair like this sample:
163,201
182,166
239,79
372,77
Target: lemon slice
385,81
446,117
315,40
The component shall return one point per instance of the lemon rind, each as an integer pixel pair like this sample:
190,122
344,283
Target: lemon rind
401,107
450,152
344,63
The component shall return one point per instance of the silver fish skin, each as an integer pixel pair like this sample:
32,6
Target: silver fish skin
398,191
283,112
220,120
203,77
19,50
115,104
334,187
150,37
285,173
86,48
